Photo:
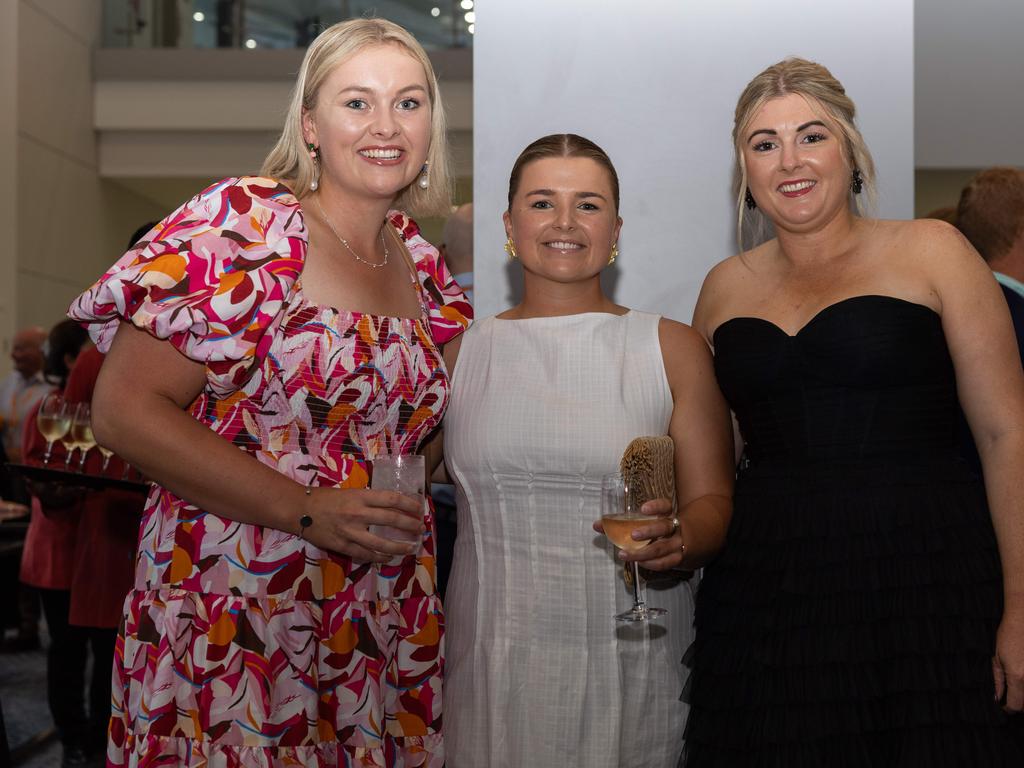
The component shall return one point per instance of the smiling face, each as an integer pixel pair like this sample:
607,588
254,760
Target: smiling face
371,122
796,164
562,219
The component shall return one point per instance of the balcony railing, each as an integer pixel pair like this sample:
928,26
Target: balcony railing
437,24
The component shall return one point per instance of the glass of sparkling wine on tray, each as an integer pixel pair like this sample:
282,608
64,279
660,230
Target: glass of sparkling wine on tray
68,441
403,473
107,455
620,516
53,420
81,432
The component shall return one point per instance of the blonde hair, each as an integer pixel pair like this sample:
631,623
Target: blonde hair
817,85
289,160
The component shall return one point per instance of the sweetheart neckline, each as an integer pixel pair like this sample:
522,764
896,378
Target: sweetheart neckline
817,315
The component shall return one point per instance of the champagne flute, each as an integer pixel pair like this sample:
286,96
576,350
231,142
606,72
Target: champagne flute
107,454
620,516
81,431
53,420
69,441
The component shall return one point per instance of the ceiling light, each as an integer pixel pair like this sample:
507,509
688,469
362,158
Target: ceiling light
470,17
467,5
435,11
198,16
250,43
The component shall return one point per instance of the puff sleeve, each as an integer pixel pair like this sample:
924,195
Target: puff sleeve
213,278
448,308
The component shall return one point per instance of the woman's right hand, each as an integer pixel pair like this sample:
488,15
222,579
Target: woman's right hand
342,519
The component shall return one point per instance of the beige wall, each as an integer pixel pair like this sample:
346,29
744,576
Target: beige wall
8,172
70,224
938,188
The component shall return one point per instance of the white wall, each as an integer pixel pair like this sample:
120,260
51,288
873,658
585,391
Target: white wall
970,83
657,90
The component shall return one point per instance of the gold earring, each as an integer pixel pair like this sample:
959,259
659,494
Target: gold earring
510,249
615,253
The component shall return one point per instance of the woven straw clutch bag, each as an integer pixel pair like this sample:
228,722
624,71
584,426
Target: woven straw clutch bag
650,462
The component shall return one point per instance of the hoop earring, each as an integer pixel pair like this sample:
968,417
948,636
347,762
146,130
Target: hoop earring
749,200
510,249
424,181
857,182
615,253
314,155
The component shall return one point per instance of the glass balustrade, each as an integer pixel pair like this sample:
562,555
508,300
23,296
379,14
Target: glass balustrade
261,24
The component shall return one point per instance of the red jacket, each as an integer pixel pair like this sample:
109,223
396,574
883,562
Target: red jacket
108,529
48,558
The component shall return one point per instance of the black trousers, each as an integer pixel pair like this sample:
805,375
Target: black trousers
65,675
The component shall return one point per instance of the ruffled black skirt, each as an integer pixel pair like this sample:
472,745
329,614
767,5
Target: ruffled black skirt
850,621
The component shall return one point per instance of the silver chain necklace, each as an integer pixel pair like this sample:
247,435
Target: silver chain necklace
344,242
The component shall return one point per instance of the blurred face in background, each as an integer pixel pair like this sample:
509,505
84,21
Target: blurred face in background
27,351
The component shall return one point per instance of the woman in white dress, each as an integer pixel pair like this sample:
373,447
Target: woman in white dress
545,398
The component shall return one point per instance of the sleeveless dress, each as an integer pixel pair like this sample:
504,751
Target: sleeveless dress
247,646
850,620
538,673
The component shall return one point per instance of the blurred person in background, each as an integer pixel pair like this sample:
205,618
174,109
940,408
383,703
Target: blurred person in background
47,562
20,390
457,247
991,215
102,563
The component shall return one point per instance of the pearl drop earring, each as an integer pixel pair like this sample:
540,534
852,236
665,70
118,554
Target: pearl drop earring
314,155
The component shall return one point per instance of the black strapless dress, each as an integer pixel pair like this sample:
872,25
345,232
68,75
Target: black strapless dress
851,618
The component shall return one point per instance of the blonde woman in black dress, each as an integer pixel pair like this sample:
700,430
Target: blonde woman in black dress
868,607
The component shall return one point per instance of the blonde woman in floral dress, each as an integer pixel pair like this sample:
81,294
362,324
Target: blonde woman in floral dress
304,317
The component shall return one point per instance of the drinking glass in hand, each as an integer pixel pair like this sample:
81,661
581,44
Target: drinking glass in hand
620,516
53,420
405,474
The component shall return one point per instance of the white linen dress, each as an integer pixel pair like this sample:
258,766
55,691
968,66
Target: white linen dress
538,672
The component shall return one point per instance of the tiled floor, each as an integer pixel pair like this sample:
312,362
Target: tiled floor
29,726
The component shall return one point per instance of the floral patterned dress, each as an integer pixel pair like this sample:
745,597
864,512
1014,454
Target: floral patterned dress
247,646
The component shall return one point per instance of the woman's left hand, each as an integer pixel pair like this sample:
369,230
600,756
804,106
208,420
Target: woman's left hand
1008,663
665,550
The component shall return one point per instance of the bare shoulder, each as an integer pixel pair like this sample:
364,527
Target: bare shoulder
928,239
725,274
939,258
728,283
674,335
939,250
685,354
